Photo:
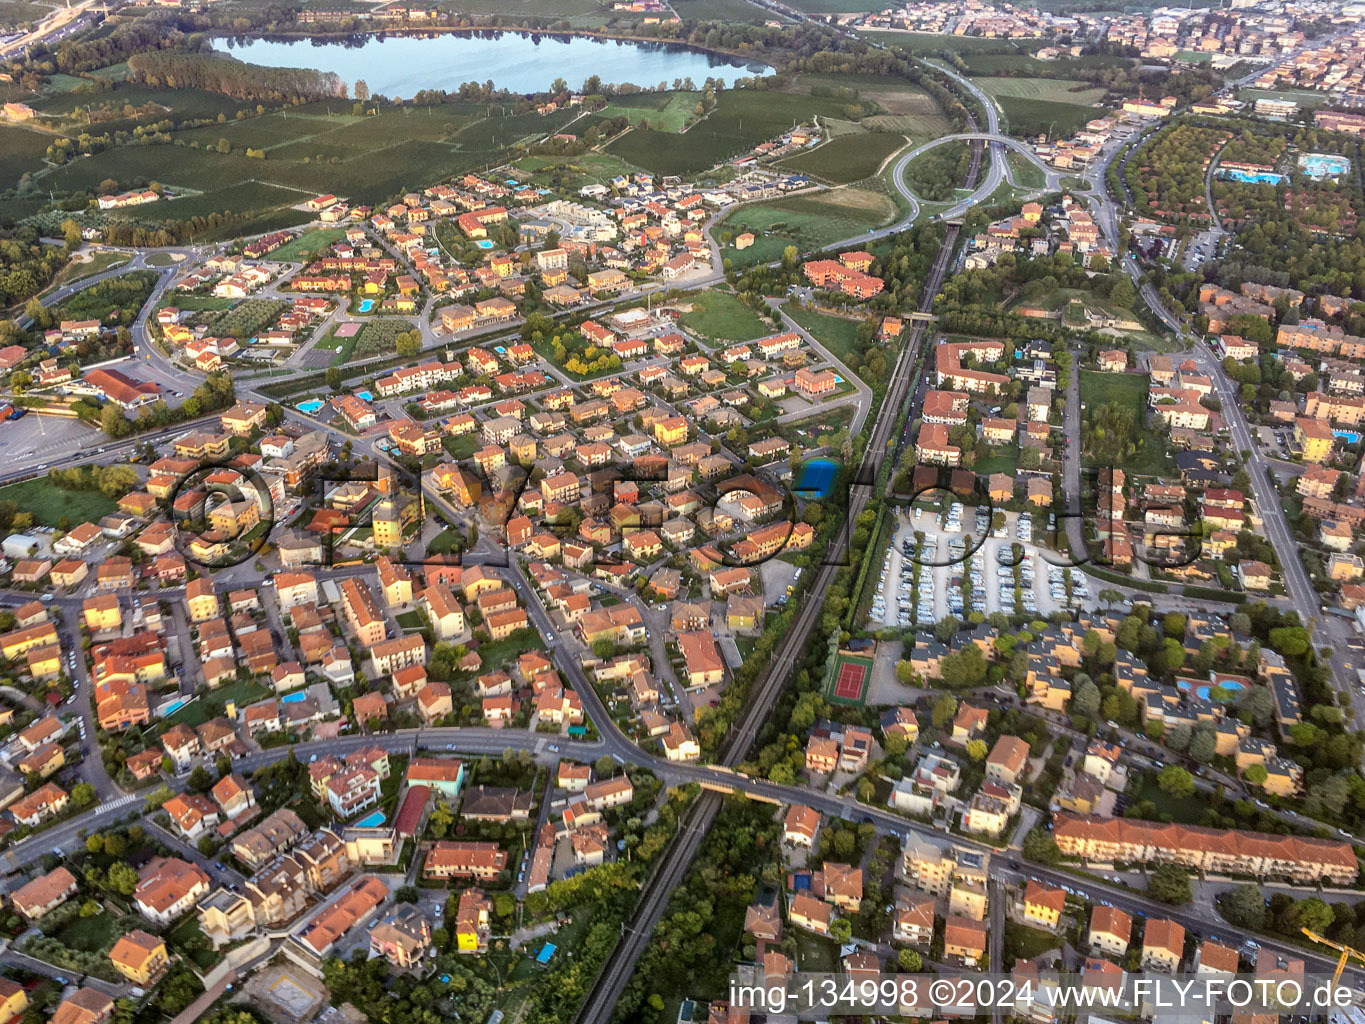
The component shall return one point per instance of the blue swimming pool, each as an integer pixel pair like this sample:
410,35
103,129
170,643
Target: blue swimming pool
1324,165
817,477
311,406
1254,177
484,243
365,305
294,698
371,820
364,396
1230,686
173,708
1349,436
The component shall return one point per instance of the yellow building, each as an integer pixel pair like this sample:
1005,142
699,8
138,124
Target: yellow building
102,612
202,601
139,956
1314,439
13,999
1043,905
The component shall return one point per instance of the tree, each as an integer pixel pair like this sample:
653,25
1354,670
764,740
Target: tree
82,795
362,90
122,878
604,766
1176,781
905,672
946,628
963,668
1169,884
1086,699
332,377
1040,847
841,930
910,961
945,709
1244,907
1203,745
1312,913
977,750
200,780
406,894
1256,774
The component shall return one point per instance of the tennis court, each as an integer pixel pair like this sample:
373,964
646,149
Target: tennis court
850,679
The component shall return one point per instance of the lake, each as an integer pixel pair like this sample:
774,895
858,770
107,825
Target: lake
400,65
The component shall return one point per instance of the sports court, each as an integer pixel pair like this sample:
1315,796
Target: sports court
850,679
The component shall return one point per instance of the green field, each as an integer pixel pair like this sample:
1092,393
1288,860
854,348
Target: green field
1028,117
1019,63
722,10
720,316
1047,90
1130,390
21,152
17,12
741,119
808,221
931,41
97,264
667,112
308,245
837,333
50,503
1302,97
848,158
1026,173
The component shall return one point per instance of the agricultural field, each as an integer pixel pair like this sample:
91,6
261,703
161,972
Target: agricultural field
1128,392
903,108
571,172
17,12
668,112
848,158
931,41
1026,117
50,503
1023,64
1046,90
740,120
21,152
723,10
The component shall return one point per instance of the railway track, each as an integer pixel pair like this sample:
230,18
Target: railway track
616,974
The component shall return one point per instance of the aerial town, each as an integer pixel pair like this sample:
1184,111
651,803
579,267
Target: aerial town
635,506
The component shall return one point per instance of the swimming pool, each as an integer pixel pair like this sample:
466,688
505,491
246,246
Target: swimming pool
364,396
365,305
294,698
1229,686
311,406
1349,436
817,477
173,708
484,243
371,820
1253,177
1324,165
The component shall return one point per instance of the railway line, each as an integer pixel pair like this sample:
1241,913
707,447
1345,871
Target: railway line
620,966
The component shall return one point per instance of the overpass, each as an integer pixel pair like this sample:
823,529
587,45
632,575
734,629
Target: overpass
1052,176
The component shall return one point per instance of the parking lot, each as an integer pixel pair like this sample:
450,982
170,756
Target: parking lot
921,583
35,436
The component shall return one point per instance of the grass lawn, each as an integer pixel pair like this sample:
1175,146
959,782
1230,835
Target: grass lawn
21,151
1302,97
49,503
836,333
93,934
461,447
188,931
160,259
1126,389
815,953
410,620
810,221
1006,460
442,544
497,653
1026,174
1025,943
97,264
308,244
1187,810
720,316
